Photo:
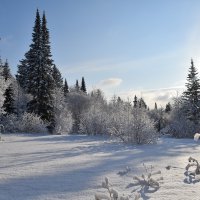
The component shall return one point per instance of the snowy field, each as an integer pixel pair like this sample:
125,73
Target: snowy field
72,167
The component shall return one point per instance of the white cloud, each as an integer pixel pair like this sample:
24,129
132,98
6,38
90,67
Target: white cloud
161,96
110,82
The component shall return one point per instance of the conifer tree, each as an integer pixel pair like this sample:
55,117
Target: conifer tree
191,96
38,63
77,87
22,74
156,107
83,86
135,102
57,77
168,107
8,104
65,88
6,71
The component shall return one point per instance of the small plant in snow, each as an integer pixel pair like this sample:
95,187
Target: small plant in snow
112,194
148,182
192,171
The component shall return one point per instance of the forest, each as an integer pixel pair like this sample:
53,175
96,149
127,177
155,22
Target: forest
38,100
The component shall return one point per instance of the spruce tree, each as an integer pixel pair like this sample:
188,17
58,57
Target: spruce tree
156,107
191,96
8,104
57,77
6,71
77,87
83,86
40,82
168,107
22,74
65,88
135,102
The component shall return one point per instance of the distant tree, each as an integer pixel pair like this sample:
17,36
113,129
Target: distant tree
142,103
6,71
135,102
57,77
168,107
155,106
83,86
77,87
8,104
192,95
65,88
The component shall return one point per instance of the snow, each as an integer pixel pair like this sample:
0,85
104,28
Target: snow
49,167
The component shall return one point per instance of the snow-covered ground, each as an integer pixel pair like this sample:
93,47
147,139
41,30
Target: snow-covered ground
48,167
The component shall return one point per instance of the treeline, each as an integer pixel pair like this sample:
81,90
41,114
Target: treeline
38,100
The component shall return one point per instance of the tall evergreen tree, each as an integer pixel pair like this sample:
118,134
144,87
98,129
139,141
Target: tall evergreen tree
39,67
57,77
83,86
192,95
22,74
65,88
156,107
6,71
8,104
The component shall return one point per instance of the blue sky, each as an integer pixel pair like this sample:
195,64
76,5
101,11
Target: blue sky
125,47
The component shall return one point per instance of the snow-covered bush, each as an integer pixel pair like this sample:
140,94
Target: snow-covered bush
192,172
112,194
133,125
94,121
26,123
180,126
63,120
78,103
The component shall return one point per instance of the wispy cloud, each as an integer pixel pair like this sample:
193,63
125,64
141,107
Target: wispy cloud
161,96
110,82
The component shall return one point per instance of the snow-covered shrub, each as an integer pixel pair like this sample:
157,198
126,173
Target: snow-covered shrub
192,171
94,121
27,123
78,102
180,126
112,194
63,120
133,125
147,182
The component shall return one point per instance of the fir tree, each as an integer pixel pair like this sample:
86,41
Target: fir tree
8,104
142,103
57,77
6,71
156,107
168,108
40,82
77,87
22,74
135,102
83,86
192,95
65,88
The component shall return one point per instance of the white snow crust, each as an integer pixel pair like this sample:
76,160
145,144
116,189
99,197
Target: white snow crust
49,167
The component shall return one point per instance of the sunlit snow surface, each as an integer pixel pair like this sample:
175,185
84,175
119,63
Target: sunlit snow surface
46,167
